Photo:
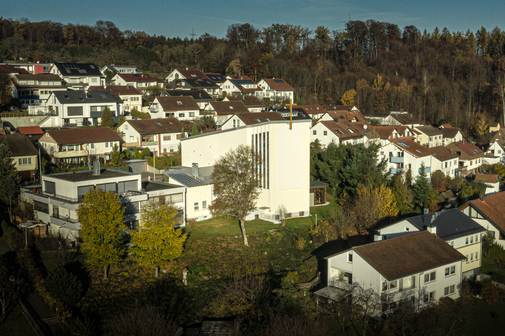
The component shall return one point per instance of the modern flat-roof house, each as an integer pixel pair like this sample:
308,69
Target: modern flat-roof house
77,145
78,76
445,161
32,90
453,226
131,97
419,268
275,89
79,108
487,212
285,176
56,201
24,154
159,135
166,193
470,157
179,107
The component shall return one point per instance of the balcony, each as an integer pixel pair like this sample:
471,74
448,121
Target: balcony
28,97
340,282
70,154
396,159
427,170
396,170
150,143
62,220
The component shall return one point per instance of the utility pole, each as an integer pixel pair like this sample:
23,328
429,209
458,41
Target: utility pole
192,34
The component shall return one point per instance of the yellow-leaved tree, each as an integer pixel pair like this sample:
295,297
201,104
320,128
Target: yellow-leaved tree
102,223
157,242
348,97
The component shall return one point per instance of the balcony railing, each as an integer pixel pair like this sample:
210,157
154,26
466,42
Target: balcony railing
149,143
70,154
396,159
427,170
396,171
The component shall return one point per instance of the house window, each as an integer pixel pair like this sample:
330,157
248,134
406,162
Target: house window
476,238
349,257
92,146
178,136
466,240
471,256
196,206
393,284
428,277
449,290
301,213
179,102
106,144
181,115
429,297
467,260
471,240
204,204
450,270
25,161
167,137
314,132
325,133
191,114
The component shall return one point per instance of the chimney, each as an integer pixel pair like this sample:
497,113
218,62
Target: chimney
105,87
426,211
481,196
432,229
194,169
96,167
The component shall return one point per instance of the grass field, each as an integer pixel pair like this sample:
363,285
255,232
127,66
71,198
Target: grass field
16,324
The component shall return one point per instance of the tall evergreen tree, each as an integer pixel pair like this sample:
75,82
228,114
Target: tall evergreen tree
9,179
423,193
107,118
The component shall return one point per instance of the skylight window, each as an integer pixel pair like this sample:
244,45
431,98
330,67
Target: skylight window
417,150
403,144
83,71
350,130
179,102
66,97
258,120
103,96
342,117
267,119
92,66
159,124
231,107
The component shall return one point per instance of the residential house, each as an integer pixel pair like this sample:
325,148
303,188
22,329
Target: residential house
131,97
74,146
495,153
404,119
498,135
57,199
32,68
24,154
244,119
487,212
35,89
195,84
341,132
494,127
470,157
491,181
457,229
418,269
180,107
143,82
201,97
79,108
252,103
353,115
222,110
122,69
315,111
243,86
450,134
159,135
285,175
428,136
169,194
185,74
392,132
275,89
377,118
404,154
78,76
12,71
216,78
445,161
295,114
32,132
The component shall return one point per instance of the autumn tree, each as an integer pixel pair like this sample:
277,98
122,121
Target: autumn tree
101,216
156,242
107,119
236,183
402,193
348,97
438,181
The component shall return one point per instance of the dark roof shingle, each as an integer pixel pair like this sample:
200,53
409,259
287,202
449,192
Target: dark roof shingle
82,135
156,126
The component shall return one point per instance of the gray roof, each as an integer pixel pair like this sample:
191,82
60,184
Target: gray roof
298,114
450,223
155,185
78,69
198,95
186,178
81,97
318,184
87,175
429,130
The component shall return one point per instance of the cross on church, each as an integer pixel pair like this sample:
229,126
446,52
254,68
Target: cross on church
290,114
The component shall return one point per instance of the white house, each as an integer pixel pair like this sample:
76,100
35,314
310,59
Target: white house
450,134
428,136
159,135
201,97
244,86
392,132
492,182
180,107
131,97
275,89
35,89
405,154
341,132
445,161
419,268
285,176
470,157
71,146
123,69
168,194
487,212
140,81
80,108
457,229
185,74
495,153
223,110
78,76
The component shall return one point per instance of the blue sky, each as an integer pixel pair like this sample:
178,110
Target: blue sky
178,18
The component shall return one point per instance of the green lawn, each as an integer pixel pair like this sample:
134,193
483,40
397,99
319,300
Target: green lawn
16,324
491,267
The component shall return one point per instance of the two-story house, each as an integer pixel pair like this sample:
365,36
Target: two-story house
403,119
159,135
185,74
487,212
252,103
223,110
78,76
77,145
32,90
444,160
392,132
470,157
428,136
140,81
24,155
275,89
403,154
243,86
80,108
315,111
450,134
495,153
201,97
417,269
131,97
180,107
457,229
341,132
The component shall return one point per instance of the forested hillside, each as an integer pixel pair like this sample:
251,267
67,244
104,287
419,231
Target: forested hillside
440,76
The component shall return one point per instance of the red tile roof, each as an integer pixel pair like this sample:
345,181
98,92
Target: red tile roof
467,147
447,125
486,178
256,118
442,153
82,135
349,130
278,84
192,73
239,77
178,103
348,115
412,147
30,130
492,207
385,132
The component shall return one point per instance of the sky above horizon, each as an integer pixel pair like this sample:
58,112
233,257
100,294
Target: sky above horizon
179,18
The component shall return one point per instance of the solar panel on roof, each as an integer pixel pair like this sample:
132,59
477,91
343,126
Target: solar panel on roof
92,66
403,144
342,117
278,81
417,150
135,75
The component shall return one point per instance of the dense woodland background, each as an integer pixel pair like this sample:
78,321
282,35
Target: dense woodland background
440,76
